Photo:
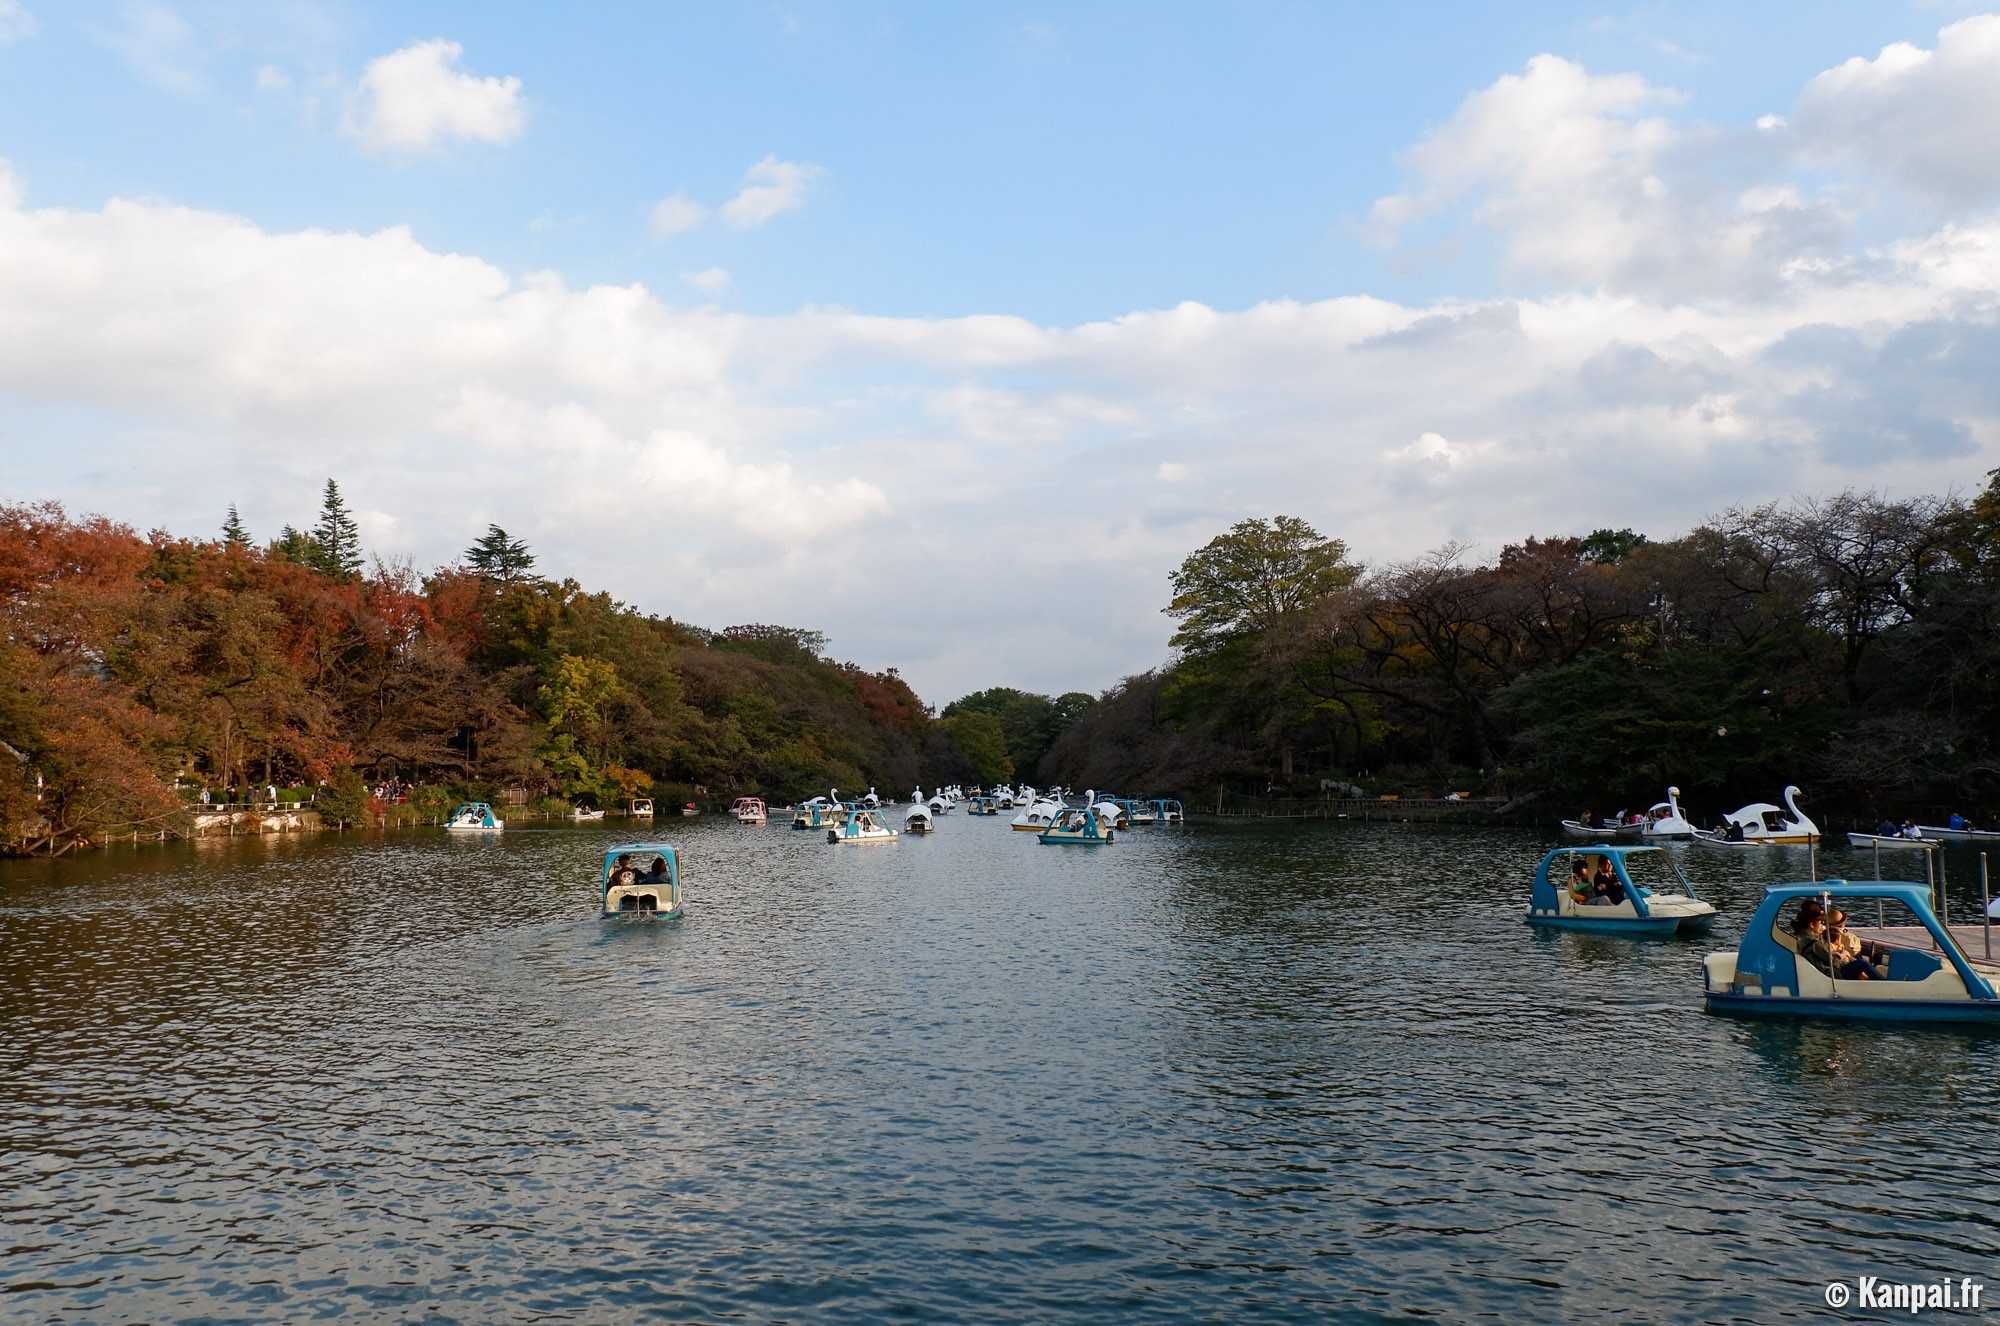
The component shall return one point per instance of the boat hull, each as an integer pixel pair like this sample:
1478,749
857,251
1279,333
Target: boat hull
1639,926
1624,833
1894,843
1959,835
1976,1012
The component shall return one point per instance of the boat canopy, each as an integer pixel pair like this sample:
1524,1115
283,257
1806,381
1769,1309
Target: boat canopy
1762,956
1639,885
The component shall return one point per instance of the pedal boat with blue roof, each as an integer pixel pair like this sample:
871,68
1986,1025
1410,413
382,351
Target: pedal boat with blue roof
1659,900
643,881
474,817
861,826
818,813
1930,977
1078,824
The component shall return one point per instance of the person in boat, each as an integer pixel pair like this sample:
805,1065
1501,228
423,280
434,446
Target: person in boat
1910,829
1606,889
622,873
1811,912
1579,880
1887,829
1957,821
1815,947
657,876
1732,832
1848,946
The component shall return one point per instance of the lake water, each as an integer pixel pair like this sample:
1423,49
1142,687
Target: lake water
1211,1074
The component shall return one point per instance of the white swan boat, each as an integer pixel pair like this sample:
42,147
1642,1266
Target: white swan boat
1038,816
917,820
1761,824
1665,822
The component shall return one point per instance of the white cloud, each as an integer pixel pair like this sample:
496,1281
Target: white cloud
774,187
15,21
1752,357
271,78
710,280
676,213
416,97
1925,118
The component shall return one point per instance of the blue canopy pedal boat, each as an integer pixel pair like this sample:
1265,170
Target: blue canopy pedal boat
1928,976
1077,824
642,880
474,817
1651,896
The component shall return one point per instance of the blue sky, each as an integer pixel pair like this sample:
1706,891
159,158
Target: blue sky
897,289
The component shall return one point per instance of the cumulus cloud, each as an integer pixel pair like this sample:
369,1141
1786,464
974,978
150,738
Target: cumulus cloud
674,214
1923,117
1593,179
773,187
416,97
1758,355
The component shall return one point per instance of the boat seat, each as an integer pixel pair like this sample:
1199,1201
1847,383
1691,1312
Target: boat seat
1907,964
1786,939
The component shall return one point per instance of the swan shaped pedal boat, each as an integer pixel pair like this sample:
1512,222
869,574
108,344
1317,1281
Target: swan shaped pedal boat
917,820
642,881
1038,816
1929,977
1657,899
1763,824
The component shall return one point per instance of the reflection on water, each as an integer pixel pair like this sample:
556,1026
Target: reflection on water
1241,1073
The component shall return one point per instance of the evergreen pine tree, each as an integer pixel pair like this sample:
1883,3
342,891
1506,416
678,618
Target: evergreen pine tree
233,533
337,537
497,558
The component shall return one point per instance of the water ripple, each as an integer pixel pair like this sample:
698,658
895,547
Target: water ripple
1221,1074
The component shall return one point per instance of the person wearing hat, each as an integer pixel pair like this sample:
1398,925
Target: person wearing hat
1850,952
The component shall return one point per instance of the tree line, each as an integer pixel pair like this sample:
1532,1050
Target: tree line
139,668
1850,644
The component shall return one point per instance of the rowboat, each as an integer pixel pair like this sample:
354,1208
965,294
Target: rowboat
1945,833
1891,841
1604,831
